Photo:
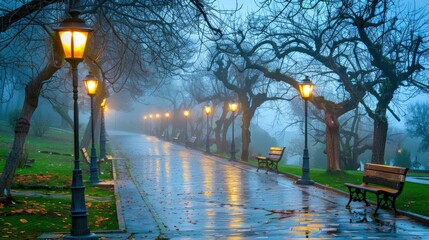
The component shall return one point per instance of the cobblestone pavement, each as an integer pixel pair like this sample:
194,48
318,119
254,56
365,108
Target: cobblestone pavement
166,190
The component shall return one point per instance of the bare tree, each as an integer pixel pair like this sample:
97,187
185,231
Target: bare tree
131,37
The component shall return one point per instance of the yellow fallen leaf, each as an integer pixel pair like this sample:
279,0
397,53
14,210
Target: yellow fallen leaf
23,220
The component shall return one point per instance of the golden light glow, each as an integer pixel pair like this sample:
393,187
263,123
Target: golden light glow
103,103
207,109
306,88
150,116
74,43
186,113
145,117
233,106
91,84
157,115
167,115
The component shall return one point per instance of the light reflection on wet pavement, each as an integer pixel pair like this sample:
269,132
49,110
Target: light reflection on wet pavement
170,191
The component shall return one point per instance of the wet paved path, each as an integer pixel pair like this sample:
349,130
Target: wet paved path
170,191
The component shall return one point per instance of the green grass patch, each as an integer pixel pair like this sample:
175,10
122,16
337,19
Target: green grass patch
33,216
43,190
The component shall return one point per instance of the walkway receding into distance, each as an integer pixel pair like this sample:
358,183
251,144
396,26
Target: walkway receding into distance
168,190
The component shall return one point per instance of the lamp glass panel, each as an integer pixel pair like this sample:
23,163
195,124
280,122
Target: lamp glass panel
233,107
91,86
79,43
306,90
207,109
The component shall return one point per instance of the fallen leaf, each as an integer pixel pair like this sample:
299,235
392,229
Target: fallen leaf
23,220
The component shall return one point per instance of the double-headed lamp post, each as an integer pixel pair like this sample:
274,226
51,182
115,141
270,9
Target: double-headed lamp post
186,114
306,90
233,106
91,84
207,110
73,33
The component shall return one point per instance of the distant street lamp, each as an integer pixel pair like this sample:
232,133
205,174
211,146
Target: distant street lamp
207,110
73,33
102,131
91,84
233,106
186,114
306,90
167,121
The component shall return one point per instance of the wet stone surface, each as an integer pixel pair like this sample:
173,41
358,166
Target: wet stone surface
170,191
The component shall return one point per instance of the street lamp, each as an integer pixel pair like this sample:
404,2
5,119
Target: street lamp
186,114
102,131
91,84
73,33
306,90
207,110
167,116
233,106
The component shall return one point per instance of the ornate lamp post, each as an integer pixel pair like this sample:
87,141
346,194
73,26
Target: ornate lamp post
167,121
91,84
102,131
186,114
73,33
233,106
207,110
306,90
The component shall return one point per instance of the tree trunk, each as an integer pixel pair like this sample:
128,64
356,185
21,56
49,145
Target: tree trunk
245,134
32,93
332,142
380,136
224,142
218,130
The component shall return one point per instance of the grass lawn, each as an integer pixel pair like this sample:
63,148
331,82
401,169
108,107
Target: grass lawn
42,193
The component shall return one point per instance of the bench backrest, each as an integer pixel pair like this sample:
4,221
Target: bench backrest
192,139
388,176
276,153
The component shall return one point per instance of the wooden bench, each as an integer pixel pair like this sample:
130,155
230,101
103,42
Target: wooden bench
176,138
271,161
191,140
386,182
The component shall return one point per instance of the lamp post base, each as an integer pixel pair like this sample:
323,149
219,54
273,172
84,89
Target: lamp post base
91,236
305,181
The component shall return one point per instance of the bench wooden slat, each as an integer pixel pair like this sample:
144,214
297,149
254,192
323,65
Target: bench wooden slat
384,175
384,168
